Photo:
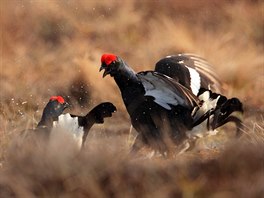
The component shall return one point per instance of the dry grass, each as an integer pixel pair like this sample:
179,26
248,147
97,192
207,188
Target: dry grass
54,47
104,170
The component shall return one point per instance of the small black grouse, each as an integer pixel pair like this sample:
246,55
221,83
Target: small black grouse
85,123
53,116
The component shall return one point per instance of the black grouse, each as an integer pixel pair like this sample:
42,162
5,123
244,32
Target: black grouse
196,74
161,108
53,116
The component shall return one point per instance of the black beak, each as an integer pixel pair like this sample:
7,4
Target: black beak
106,72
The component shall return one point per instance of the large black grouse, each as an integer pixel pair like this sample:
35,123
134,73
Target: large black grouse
161,108
196,74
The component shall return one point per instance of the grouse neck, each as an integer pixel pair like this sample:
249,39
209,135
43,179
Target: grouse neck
130,85
126,77
45,121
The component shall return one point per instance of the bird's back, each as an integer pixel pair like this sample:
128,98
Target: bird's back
191,71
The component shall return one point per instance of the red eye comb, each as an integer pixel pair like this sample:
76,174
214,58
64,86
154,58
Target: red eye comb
108,58
58,98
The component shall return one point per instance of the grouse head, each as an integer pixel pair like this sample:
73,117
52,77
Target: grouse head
55,107
226,109
111,64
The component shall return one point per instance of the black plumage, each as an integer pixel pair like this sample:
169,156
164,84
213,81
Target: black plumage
51,112
191,71
95,116
159,107
53,116
196,74
165,104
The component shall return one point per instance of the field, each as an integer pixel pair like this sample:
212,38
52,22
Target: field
54,48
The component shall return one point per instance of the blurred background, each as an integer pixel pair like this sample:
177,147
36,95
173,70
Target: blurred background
54,48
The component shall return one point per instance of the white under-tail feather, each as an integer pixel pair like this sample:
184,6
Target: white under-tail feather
70,125
202,130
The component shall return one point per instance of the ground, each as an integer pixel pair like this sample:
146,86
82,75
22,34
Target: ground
54,48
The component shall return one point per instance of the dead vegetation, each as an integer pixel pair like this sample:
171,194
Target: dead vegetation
54,47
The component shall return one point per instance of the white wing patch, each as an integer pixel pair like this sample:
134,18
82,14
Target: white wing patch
70,125
201,129
195,80
163,93
209,103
